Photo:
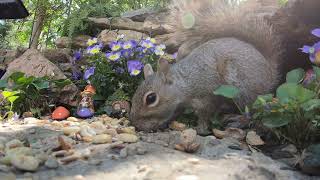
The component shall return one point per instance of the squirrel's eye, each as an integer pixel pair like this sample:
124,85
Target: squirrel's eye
151,98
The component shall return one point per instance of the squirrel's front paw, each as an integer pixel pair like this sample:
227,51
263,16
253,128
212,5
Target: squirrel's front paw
203,130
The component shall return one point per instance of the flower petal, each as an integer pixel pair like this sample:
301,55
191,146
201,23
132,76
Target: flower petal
305,49
316,32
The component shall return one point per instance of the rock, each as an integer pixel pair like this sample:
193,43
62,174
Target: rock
128,130
14,144
80,41
51,163
101,139
254,139
26,163
65,142
19,151
42,157
188,141
310,160
27,114
71,130
139,15
230,132
112,132
177,126
7,176
106,36
2,146
117,23
33,63
73,119
290,149
124,153
128,138
57,56
87,131
156,24
98,127
63,42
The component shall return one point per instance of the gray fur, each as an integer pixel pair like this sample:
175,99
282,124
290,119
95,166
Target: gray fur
233,53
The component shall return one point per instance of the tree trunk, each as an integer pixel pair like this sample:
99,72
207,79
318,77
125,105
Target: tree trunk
40,18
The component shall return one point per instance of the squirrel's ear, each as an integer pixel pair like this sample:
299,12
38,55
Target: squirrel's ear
147,71
163,66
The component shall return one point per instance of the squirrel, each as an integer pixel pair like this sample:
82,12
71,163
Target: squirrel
222,46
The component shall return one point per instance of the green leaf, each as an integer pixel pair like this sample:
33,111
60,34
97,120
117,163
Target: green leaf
7,94
3,84
41,84
295,76
311,105
16,75
316,70
12,99
62,82
275,121
291,91
228,91
262,100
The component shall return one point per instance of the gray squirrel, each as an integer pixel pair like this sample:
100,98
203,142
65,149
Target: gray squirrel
224,46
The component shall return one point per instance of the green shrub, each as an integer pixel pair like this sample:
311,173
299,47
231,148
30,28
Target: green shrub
30,93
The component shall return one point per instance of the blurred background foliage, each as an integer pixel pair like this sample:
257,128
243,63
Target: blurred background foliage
54,18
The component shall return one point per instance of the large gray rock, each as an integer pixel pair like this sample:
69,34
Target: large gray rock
117,23
33,63
156,24
63,42
106,36
139,15
57,55
80,41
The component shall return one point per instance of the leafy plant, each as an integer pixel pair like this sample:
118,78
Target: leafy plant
30,93
293,112
7,100
117,73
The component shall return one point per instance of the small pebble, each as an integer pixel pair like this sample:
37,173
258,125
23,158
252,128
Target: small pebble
73,119
128,138
95,162
71,130
141,151
87,131
13,144
27,163
124,153
51,163
102,139
30,120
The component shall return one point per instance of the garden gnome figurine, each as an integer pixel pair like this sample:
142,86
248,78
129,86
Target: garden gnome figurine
85,107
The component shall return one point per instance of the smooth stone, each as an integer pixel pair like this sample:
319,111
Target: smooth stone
85,113
60,113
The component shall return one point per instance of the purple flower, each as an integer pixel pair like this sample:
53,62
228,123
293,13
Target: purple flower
76,75
115,46
94,49
134,67
129,44
175,55
313,51
316,32
113,56
89,72
77,55
119,70
127,53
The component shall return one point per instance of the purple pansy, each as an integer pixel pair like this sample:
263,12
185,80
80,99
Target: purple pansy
92,50
89,72
313,51
134,67
129,44
113,56
115,45
127,53
77,55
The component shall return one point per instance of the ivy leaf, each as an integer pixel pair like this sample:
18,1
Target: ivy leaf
275,121
291,91
227,91
7,94
16,75
295,76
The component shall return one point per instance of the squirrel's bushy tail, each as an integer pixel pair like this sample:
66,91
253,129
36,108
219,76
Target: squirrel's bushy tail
198,21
